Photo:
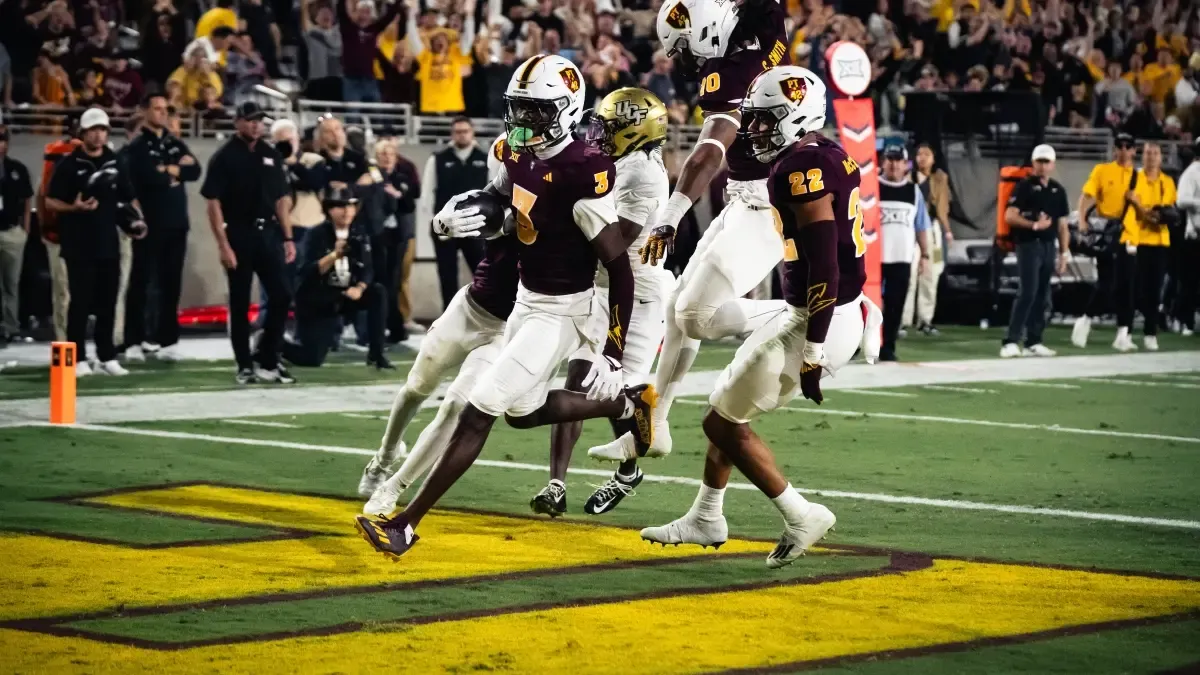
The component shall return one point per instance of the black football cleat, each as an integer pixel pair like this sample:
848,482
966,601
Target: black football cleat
645,400
551,501
611,493
390,536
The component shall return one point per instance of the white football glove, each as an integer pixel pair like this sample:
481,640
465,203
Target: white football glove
454,223
604,381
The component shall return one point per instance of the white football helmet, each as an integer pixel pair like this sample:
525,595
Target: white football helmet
781,106
697,30
543,103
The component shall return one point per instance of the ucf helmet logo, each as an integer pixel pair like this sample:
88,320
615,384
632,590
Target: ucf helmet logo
570,77
628,111
794,88
679,18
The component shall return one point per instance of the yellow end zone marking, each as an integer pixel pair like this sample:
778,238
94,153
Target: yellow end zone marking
35,570
951,602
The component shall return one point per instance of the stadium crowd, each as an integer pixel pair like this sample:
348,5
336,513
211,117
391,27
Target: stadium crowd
1123,64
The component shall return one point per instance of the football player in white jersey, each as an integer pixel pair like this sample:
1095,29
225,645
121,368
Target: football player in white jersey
725,45
630,126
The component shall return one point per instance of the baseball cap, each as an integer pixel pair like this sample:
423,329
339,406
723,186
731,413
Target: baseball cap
1043,152
895,152
250,111
1124,139
93,117
338,196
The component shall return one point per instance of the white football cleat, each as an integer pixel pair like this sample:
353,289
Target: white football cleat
1080,331
620,450
111,368
1150,342
661,445
1010,350
150,347
82,369
689,530
168,354
1124,343
374,474
796,540
1040,350
383,500
1186,332
134,354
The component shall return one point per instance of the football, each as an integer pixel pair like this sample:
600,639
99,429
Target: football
495,209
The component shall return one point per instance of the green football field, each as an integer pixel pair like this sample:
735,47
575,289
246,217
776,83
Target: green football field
1029,525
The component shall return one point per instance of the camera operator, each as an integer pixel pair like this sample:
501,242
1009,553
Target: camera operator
93,198
160,164
1147,238
248,211
1189,254
1105,189
336,280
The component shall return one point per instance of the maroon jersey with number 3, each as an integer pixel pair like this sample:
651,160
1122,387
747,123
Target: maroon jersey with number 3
805,173
724,81
556,256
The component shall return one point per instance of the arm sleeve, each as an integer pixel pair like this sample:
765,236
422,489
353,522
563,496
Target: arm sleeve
620,304
593,215
640,201
921,217
503,185
817,242
389,14
189,172
143,172
60,182
216,180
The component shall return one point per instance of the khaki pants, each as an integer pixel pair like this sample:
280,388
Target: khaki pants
60,293
12,253
922,290
404,299
122,289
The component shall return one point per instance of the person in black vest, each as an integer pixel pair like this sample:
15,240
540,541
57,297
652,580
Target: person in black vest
455,170
337,279
159,164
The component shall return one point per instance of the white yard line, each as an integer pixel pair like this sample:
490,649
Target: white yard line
261,423
362,416
958,390
1141,383
956,504
1044,385
1176,376
983,423
872,392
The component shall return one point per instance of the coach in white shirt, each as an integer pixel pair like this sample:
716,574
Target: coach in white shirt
905,228
1188,200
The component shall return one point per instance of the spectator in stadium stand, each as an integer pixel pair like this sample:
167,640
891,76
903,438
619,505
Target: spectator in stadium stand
248,212
496,74
399,230
658,80
259,21
160,164
1037,213
323,42
221,14
16,200
6,78
196,75
51,85
1119,95
442,63
1147,238
934,184
93,197
244,69
458,168
904,223
123,87
1105,190
337,280
164,37
1189,247
360,31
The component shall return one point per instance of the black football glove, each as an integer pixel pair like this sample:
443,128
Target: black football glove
810,382
660,243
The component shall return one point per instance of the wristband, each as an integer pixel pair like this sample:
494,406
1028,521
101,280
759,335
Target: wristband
677,207
814,352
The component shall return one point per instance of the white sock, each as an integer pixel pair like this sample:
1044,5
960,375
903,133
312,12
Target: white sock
430,445
792,505
404,408
708,503
1122,332
678,354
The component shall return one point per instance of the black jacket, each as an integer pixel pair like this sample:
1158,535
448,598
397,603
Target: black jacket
89,235
163,198
320,294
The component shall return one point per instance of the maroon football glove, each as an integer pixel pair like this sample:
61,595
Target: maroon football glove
810,382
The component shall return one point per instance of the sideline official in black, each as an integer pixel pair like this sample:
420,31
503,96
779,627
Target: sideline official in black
93,198
337,280
160,164
248,211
